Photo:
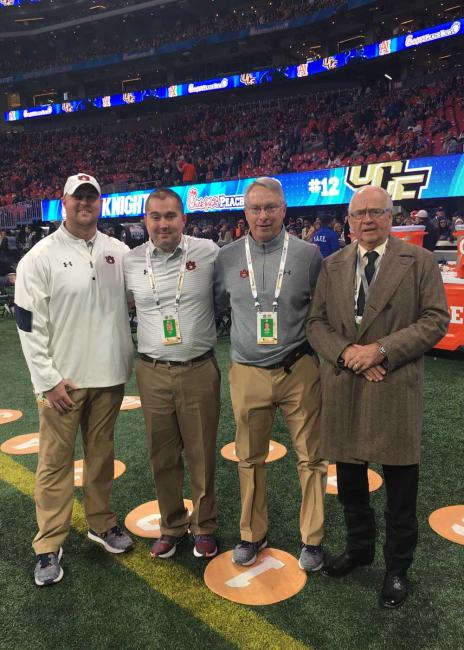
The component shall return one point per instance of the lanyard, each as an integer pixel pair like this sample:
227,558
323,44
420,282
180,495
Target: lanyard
180,279
280,274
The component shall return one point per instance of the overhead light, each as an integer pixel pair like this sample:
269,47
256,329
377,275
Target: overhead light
388,76
27,20
352,38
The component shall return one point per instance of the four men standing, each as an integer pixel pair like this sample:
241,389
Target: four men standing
378,306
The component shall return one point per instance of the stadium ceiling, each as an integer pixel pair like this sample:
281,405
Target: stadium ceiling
280,47
31,18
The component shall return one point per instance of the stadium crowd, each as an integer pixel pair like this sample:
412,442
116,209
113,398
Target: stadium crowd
66,49
233,19
225,141
14,243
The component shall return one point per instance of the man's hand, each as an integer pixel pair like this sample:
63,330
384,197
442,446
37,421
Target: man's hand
375,373
349,353
58,396
360,358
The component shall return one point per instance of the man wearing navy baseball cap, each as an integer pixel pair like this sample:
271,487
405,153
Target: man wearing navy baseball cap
71,314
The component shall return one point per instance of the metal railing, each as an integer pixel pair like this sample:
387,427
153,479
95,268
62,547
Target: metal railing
19,214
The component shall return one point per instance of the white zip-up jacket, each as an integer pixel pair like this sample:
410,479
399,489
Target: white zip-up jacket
71,312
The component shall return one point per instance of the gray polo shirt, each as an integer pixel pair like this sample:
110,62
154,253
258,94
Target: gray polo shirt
196,310
232,288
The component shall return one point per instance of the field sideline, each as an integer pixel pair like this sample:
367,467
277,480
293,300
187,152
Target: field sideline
132,602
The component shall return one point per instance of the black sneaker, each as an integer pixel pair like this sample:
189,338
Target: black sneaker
246,553
311,557
114,540
48,570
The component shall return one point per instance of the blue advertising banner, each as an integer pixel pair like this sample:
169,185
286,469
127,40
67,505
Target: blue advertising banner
185,45
421,178
43,111
335,62
16,3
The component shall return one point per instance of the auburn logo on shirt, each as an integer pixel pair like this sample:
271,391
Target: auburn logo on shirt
191,266
244,273
109,259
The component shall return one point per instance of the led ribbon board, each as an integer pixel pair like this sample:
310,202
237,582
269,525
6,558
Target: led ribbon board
308,69
420,178
15,3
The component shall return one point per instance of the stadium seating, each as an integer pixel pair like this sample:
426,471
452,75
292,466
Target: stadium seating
254,15
227,141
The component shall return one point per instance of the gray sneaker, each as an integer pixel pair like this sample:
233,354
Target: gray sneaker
246,553
311,558
114,540
47,570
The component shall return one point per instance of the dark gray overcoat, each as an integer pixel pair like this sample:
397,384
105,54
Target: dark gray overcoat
407,313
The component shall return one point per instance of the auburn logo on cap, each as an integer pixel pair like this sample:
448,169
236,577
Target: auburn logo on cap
83,177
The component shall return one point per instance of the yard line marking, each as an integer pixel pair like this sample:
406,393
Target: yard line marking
238,625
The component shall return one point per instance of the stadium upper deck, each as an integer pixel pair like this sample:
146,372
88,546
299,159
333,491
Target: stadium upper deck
229,140
180,40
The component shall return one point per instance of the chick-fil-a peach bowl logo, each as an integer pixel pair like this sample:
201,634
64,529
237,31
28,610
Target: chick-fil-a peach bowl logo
212,202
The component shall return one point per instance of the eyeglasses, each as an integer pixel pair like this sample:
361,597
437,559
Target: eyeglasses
270,209
374,213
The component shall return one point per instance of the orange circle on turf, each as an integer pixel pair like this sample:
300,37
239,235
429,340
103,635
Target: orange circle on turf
119,469
275,576
19,445
130,402
449,523
144,520
276,451
8,415
375,480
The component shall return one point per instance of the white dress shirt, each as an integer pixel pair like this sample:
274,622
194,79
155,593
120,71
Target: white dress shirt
360,268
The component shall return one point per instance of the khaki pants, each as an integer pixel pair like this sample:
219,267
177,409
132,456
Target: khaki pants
256,393
96,412
181,409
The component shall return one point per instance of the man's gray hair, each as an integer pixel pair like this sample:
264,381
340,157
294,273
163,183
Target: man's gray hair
269,183
388,198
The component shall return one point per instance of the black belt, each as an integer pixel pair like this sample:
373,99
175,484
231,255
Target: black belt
291,358
155,362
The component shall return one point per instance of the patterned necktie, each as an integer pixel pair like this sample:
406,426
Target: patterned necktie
369,273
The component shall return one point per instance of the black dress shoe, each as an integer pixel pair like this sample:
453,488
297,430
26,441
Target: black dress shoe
394,590
345,563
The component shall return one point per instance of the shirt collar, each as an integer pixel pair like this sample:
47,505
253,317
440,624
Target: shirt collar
268,246
66,232
380,249
155,251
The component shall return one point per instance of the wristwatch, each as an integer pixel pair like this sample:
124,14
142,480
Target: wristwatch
383,352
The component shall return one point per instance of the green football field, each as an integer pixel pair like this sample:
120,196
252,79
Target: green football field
132,602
